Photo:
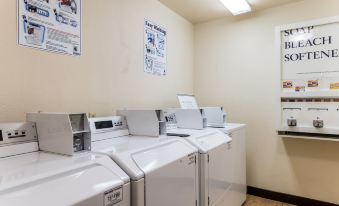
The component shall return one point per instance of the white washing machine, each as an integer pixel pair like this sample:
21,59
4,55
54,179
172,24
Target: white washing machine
216,164
239,187
163,171
30,177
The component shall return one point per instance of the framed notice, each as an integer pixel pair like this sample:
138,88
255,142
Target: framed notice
50,25
309,56
309,63
155,49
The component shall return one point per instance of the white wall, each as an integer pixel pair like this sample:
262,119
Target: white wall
234,64
235,68
108,76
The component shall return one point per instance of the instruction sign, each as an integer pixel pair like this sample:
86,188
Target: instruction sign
187,101
50,25
310,56
155,49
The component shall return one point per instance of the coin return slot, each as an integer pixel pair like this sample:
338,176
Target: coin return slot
79,143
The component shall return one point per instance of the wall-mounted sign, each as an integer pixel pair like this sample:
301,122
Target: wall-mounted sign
310,55
309,64
50,25
155,49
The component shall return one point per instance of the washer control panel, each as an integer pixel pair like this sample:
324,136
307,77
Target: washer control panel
11,133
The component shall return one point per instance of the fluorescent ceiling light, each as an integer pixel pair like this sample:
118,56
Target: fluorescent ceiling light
237,7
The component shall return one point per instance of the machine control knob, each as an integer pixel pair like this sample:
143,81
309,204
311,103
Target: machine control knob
292,122
318,123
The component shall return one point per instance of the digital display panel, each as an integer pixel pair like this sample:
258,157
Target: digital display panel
104,125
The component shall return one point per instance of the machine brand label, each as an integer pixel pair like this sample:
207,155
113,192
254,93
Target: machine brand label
113,196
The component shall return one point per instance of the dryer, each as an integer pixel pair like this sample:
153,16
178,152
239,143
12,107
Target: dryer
163,171
31,177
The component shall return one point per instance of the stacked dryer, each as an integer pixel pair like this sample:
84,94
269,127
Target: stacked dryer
32,177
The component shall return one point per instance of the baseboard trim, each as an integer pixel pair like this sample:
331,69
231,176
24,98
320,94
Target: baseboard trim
286,198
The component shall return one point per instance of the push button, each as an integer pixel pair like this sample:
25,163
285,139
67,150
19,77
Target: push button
318,123
292,122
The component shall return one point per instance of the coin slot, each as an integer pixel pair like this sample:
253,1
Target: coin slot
18,136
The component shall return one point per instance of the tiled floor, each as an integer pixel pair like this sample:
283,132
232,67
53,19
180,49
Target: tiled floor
257,201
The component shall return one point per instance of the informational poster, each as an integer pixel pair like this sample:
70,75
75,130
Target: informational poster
155,49
310,57
50,25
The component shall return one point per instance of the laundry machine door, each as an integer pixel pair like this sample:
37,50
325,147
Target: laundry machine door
171,175
220,174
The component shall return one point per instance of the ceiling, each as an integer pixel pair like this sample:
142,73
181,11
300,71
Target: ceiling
197,11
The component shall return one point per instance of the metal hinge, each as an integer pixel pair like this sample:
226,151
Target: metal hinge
208,200
195,159
196,202
208,158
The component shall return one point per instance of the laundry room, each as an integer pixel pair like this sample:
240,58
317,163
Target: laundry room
169,102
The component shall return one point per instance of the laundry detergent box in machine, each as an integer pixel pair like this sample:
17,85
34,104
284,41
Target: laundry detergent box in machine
32,177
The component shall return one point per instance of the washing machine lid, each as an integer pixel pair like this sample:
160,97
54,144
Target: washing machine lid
230,127
206,139
37,178
138,155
